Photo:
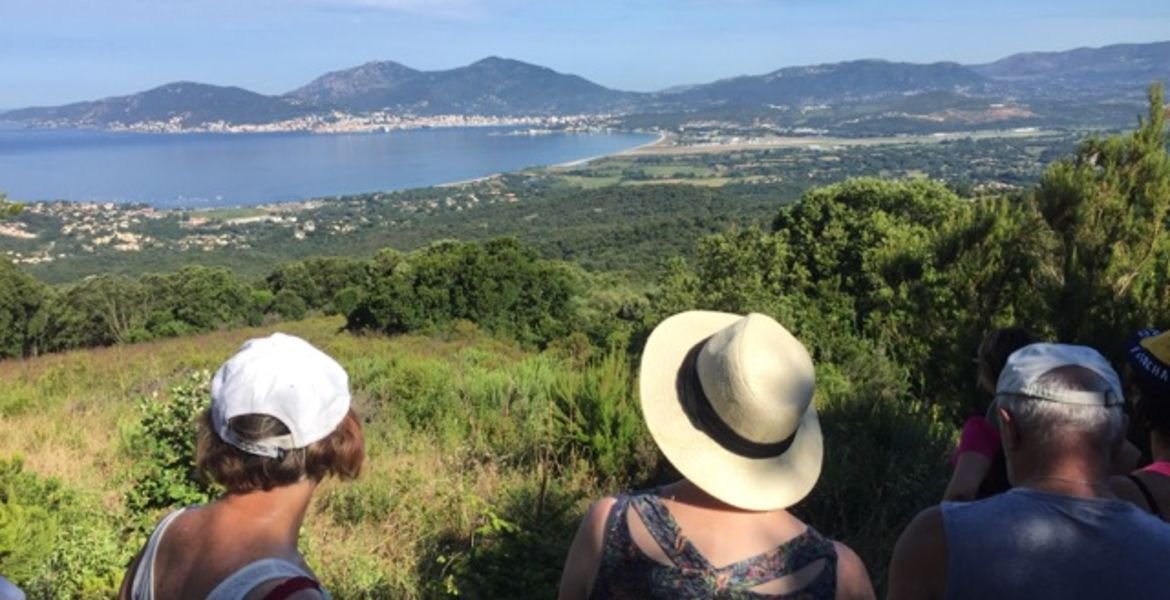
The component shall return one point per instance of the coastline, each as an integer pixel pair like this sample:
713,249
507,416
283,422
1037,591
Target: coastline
662,139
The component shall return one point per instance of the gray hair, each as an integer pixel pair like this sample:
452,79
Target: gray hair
1050,421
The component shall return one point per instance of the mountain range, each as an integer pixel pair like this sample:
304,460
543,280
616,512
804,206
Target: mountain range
1038,85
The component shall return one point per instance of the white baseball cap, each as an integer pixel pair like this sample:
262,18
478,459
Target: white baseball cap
1026,365
286,378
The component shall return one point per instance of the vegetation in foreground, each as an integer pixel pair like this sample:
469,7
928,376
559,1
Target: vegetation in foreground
488,434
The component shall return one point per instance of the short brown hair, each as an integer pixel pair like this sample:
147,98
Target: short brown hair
341,453
994,351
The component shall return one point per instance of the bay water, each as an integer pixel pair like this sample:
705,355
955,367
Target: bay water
200,170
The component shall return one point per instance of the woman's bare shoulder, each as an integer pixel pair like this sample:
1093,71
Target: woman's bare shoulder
853,581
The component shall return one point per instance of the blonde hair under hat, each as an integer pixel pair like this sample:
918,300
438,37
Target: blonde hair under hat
729,401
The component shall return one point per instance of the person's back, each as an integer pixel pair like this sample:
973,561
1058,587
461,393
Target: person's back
1031,544
1060,532
658,547
279,423
209,549
728,399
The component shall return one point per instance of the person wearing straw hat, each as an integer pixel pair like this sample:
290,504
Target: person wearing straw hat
728,399
1060,532
279,422
1148,355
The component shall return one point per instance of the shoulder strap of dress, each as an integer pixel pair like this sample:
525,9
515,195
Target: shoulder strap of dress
1145,490
617,532
790,557
239,584
664,529
142,587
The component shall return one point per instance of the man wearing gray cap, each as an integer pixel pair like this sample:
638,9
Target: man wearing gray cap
1060,532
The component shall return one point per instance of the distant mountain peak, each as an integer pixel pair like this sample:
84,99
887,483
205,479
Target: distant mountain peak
497,62
503,87
340,86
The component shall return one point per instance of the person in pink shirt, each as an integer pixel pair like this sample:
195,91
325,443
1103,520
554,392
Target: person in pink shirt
979,467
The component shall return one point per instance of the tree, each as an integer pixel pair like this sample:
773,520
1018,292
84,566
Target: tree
100,310
501,285
317,281
7,207
1107,206
197,298
23,318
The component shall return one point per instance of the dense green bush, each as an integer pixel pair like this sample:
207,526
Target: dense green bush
54,542
163,448
501,285
23,316
598,418
516,551
317,281
885,456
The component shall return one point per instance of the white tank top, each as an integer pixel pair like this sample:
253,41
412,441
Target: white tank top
235,587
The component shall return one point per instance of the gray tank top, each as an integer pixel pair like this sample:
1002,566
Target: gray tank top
1030,544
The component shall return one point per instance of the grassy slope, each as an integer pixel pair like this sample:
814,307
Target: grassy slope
432,480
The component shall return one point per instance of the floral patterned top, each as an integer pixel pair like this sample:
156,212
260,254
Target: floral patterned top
627,573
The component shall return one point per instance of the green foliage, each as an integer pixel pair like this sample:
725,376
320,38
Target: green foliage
599,419
514,552
23,315
317,281
163,448
198,299
501,285
884,456
27,527
8,208
100,311
289,305
55,543
1107,209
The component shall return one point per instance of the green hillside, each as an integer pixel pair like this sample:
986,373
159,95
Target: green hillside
497,386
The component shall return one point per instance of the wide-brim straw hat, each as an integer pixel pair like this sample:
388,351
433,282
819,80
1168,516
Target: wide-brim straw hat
729,401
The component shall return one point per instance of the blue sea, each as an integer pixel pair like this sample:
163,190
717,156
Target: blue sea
210,169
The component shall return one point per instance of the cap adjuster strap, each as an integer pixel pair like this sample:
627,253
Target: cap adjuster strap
272,447
1079,398
703,416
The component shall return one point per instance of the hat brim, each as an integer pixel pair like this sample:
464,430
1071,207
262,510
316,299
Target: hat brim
751,484
1144,361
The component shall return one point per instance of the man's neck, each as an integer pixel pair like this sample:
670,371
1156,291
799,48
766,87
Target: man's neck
1067,478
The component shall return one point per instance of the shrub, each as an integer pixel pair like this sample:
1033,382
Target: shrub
884,457
163,449
54,542
502,286
516,550
597,417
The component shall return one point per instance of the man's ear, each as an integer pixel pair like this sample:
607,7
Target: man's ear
1009,432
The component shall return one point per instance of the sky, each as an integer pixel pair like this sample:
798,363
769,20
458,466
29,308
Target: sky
58,51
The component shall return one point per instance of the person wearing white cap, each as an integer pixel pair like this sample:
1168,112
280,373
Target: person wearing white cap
728,400
280,421
1060,532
